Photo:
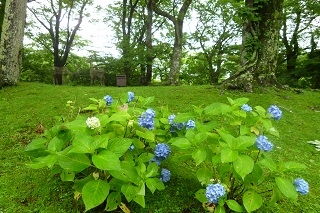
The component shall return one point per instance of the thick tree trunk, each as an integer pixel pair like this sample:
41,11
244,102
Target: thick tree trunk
175,63
12,42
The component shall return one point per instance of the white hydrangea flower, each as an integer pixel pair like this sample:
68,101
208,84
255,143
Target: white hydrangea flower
93,122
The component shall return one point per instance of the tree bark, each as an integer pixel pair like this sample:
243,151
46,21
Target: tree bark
12,42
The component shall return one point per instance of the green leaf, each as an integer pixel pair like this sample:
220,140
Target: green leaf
199,155
51,160
139,199
67,175
129,191
119,116
244,130
245,142
126,173
183,117
37,143
273,131
268,163
148,135
287,188
294,166
204,175
113,201
106,160
243,165
229,139
252,200
94,193
148,101
182,143
202,136
78,125
216,109
241,101
83,143
74,162
119,145
201,195
154,183
220,209
152,170
235,206
260,110
228,155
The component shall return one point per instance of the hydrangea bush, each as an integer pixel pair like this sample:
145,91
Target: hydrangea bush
111,151
230,147
115,149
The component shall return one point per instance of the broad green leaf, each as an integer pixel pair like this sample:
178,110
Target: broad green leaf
244,130
38,163
220,209
129,191
37,143
241,101
252,200
152,170
216,109
273,131
245,142
51,160
204,175
228,155
287,188
94,193
119,145
113,201
78,125
182,143
183,117
139,199
126,173
260,110
78,184
106,160
67,175
231,101
83,143
229,139
74,162
201,195
199,155
268,163
254,176
141,169
202,136
235,206
243,165
294,166
119,116
154,183
148,135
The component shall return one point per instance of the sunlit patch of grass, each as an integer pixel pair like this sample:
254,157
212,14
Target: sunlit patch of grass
25,107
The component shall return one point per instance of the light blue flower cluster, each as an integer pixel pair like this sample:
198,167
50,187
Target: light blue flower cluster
263,144
130,97
162,151
246,107
275,112
190,124
165,175
214,192
131,147
108,99
147,119
171,118
302,186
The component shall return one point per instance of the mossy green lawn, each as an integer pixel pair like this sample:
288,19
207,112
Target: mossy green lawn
23,108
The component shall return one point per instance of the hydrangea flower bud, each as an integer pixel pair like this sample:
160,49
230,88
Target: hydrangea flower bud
165,175
93,122
130,96
214,192
246,107
263,144
302,186
108,99
275,112
190,124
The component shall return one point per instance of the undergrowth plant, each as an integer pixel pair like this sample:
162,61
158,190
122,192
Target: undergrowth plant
231,150
114,149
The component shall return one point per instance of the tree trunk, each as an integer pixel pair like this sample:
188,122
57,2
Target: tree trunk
149,58
12,42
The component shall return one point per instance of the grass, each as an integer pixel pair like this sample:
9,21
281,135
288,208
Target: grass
23,108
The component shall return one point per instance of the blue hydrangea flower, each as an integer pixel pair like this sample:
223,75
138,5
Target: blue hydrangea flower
165,175
162,151
190,124
131,147
214,192
108,99
156,160
263,144
275,112
179,126
246,107
130,96
302,186
171,118
147,119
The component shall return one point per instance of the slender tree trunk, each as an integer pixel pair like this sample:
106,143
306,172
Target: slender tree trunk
149,58
12,42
